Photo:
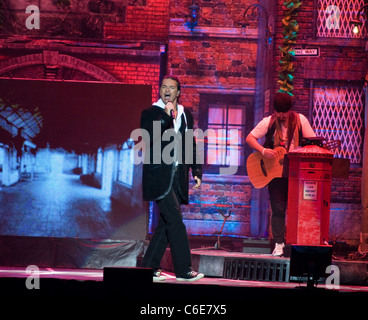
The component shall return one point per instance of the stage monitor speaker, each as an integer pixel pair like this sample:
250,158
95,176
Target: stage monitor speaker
308,263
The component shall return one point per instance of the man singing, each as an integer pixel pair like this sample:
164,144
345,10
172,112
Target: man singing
166,182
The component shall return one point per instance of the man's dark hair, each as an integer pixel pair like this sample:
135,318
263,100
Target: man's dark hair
173,78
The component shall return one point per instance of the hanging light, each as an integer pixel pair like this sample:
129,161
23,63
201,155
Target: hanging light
356,22
193,17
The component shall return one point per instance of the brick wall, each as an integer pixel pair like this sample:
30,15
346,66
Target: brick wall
218,63
132,72
347,190
202,216
148,21
215,58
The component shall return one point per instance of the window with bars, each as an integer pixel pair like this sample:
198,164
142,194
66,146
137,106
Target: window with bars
229,118
338,115
334,16
126,163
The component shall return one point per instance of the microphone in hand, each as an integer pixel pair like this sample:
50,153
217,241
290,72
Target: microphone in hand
170,106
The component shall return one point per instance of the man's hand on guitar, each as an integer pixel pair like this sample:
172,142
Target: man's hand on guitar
265,165
269,153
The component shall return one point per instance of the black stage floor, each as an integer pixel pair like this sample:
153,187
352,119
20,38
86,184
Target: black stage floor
129,293
116,286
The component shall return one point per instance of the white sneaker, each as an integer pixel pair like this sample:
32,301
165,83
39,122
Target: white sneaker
279,249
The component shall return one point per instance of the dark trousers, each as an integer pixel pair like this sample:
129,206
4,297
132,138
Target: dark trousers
278,190
170,230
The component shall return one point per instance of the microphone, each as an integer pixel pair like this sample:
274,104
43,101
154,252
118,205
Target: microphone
171,111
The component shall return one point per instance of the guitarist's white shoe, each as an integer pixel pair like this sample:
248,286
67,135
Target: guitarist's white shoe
279,249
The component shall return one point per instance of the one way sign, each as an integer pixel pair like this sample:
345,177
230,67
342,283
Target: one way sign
308,52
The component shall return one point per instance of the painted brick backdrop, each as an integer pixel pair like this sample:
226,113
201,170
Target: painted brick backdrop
211,61
216,58
341,62
147,21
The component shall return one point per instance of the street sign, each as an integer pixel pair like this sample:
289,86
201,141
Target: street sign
307,52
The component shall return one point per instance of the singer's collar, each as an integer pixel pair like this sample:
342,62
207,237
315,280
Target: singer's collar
177,122
161,104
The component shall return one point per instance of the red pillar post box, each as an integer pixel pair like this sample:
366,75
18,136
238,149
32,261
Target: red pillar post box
308,212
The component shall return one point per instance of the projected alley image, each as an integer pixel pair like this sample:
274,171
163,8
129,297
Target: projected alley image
66,165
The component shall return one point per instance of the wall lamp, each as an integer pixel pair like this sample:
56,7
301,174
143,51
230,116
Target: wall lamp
193,16
357,23
245,23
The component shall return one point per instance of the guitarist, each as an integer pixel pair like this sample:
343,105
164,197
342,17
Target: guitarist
283,128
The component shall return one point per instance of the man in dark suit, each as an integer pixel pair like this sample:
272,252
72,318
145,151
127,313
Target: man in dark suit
166,178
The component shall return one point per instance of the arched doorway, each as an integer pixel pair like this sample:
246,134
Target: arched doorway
54,66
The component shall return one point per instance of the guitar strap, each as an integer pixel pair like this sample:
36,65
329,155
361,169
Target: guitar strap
274,132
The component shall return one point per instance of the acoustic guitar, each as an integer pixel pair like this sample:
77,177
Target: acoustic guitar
262,170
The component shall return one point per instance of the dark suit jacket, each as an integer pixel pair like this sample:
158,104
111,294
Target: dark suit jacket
158,178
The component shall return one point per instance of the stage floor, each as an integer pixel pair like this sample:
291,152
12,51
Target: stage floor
130,291
97,275
84,292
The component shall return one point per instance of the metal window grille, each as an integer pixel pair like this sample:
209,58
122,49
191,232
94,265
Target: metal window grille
334,16
338,114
